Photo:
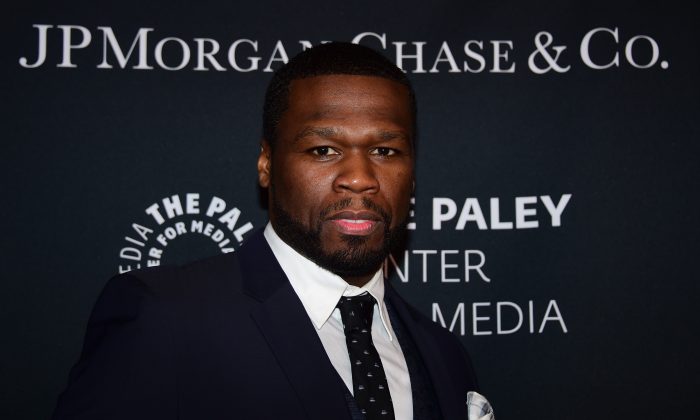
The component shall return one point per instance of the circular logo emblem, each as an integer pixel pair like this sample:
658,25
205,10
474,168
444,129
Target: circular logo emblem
182,227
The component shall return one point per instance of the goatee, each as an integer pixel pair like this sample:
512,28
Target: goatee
356,259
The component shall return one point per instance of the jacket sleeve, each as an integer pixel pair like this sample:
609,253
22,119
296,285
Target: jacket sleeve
126,368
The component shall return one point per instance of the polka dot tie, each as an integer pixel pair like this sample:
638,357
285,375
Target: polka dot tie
369,384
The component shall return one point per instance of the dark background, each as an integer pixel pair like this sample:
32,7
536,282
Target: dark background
85,151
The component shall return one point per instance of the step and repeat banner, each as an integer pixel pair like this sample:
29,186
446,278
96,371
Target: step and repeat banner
554,224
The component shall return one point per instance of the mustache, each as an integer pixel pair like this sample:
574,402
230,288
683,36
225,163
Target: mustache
367,204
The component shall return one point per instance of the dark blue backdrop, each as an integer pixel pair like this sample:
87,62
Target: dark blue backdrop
590,317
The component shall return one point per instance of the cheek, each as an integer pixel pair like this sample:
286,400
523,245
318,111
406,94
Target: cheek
301,190
400,189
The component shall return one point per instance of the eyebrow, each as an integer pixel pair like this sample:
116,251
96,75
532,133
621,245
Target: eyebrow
391,135
330,132
323,132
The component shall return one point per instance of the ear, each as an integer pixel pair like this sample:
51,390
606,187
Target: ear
264,161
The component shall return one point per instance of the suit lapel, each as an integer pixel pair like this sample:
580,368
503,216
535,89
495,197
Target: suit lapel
290,334
438,369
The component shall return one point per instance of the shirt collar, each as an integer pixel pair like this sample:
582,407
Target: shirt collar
318,289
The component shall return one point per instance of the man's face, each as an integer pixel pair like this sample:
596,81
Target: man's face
341,174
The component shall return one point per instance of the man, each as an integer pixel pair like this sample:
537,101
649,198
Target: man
297,324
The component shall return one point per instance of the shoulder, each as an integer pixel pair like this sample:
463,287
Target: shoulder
443,343
170,280
413,315
137,293
442,336
208,275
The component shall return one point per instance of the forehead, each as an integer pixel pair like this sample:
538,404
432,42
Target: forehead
347,96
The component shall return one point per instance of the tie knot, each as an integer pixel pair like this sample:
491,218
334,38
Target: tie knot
357,311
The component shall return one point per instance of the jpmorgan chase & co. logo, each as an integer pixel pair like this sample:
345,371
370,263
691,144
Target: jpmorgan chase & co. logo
182,227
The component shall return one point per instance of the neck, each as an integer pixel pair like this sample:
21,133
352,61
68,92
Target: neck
358,281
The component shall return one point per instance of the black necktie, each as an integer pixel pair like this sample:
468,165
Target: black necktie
369,384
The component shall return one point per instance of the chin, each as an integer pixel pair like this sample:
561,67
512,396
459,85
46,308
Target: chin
340,253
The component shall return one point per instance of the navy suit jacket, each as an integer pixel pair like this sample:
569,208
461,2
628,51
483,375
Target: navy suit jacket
228,338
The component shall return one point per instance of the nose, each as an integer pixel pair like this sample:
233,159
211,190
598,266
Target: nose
356,174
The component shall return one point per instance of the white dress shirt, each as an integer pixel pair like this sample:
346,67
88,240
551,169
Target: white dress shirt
319,291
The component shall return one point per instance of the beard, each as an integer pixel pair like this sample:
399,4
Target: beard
356,258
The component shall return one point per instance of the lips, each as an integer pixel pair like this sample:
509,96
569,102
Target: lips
355,222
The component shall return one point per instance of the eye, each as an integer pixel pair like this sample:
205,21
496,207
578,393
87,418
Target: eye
384,151
324,151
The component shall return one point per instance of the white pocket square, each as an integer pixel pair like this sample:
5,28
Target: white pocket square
478,407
